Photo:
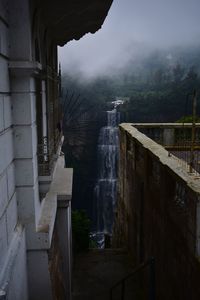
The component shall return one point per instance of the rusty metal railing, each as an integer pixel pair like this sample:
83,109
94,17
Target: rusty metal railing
177,140
47,154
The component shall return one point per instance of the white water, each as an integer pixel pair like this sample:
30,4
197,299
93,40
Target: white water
106,187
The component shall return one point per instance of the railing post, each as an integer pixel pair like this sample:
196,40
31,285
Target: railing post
152,293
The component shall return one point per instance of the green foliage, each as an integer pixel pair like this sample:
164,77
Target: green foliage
93,244
178,73
80,231
188,119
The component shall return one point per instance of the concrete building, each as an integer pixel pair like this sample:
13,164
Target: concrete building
158,210
35,188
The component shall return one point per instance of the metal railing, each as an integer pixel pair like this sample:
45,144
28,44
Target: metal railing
150,263
178,140
47,154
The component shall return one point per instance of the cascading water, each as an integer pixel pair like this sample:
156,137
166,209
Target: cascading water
106,187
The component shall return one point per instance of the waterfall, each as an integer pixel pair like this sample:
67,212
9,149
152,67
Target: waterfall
106,187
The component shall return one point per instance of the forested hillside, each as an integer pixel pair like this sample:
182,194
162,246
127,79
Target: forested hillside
159,85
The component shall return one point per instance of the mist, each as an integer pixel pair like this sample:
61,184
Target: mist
133,30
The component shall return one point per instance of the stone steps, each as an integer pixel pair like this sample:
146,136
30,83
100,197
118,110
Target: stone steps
96,271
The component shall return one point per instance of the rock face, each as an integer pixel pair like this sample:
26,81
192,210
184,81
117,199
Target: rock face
80,149
67,19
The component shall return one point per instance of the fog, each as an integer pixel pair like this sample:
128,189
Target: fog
133,29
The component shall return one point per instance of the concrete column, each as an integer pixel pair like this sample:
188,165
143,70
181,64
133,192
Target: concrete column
198,229
20,30
44,109
25,142
22,70
63,227
23,97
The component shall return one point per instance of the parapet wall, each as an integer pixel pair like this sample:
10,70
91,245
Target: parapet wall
158,214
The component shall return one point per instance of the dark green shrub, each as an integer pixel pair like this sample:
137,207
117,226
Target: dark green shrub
80,231
188,119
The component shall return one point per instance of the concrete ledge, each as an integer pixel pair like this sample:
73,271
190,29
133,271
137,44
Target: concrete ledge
162,125
163,156
62,183
60,191
24,68
48,214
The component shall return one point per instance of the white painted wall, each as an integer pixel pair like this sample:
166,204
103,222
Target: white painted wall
7,181
38,264
20,206
8,196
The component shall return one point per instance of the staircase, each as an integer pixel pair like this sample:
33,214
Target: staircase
97,271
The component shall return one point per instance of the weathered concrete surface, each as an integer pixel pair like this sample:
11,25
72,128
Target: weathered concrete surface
158,214
60,254
13,272
97,271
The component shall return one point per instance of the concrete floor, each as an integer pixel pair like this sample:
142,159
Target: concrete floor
96,271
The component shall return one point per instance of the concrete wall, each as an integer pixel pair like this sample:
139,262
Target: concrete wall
49,254
24,245
60,262
158,214
12,236
28,81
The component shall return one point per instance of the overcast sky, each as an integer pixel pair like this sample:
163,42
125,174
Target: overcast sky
131,27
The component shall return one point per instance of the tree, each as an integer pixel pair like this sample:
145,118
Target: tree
191,80
178,73
159,76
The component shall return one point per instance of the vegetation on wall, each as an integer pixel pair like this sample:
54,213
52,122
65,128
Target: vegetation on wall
188,119
80,231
